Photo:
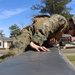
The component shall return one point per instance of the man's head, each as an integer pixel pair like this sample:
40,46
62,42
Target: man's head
73,19
38,20
72,23
72,26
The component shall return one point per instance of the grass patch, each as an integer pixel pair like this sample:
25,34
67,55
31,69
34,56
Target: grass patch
71,57
73,62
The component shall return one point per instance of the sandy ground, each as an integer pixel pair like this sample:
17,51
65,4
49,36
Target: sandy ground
3,51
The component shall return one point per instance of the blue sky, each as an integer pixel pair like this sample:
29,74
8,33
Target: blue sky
19,12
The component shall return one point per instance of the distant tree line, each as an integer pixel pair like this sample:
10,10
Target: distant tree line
1,33
14,30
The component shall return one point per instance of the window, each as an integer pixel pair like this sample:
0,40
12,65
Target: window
0,43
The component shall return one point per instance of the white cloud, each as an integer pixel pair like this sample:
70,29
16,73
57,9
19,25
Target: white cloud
8,13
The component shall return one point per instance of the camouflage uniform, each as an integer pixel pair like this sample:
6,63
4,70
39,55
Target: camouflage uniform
73,18
49,27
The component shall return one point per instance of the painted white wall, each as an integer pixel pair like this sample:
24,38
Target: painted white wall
6,45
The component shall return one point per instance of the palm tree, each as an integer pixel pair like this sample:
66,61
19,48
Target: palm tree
1,33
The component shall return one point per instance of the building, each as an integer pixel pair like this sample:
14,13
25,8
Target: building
5,42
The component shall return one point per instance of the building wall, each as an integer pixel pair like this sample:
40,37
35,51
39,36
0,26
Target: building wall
4,44
7,44
1,44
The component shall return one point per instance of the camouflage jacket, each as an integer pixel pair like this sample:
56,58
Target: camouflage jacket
47,29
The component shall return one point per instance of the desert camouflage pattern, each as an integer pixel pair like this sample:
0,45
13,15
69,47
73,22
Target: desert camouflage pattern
52,27
38,20
22,41
42,29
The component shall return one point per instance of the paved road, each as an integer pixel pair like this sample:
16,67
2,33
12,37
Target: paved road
37,63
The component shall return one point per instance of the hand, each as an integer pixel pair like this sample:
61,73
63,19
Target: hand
38,48
52,41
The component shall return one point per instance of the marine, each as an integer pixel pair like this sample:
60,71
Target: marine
43,28
71,29
39,33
